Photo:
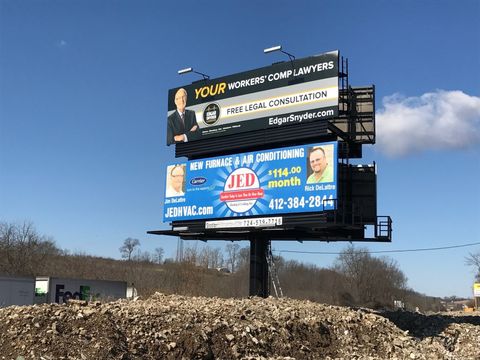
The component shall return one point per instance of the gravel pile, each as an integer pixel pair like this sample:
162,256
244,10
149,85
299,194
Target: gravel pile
178,327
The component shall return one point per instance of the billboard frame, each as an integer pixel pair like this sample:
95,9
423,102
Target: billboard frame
269,182
354,210
352,128
305,90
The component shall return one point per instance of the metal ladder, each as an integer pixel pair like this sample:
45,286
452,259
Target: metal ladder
272,270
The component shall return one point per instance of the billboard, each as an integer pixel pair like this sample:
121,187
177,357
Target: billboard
476,290
294,179
302,90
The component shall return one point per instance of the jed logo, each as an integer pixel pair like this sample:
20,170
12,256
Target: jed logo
241,191
211,114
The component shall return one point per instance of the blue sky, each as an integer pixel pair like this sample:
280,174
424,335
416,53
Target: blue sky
83,102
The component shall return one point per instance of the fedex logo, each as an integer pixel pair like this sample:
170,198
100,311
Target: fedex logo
82,294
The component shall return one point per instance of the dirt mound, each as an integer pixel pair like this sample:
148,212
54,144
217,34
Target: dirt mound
178,327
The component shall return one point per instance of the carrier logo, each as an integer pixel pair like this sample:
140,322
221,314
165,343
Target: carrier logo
211,114
198,181
242,190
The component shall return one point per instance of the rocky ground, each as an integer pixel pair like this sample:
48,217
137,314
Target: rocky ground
178,327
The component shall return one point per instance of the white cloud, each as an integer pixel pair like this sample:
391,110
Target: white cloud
436,120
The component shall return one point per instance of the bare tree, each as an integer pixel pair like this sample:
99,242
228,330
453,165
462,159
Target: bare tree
243,258
142,256
474,260
23,250
158,255
373,281
129,245
232,256
191,255
203,257
215,258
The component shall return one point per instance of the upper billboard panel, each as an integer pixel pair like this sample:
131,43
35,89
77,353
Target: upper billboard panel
303,90
279,181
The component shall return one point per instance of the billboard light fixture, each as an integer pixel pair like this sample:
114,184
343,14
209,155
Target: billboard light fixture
184,71
189,69
272,49
279,48
180,228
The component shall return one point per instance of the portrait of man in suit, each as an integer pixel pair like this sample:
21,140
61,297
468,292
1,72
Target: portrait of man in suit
182,124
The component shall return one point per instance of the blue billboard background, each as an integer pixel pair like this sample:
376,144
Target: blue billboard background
251,184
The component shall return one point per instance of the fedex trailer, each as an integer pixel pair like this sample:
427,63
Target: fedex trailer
16,291
60,290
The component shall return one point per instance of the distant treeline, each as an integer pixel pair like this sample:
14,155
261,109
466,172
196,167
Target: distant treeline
356,279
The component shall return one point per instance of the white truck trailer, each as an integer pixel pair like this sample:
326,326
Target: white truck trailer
60,290
16,291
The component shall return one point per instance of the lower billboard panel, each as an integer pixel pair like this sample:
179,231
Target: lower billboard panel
286,180
244,223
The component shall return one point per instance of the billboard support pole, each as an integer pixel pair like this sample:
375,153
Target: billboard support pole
259,245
